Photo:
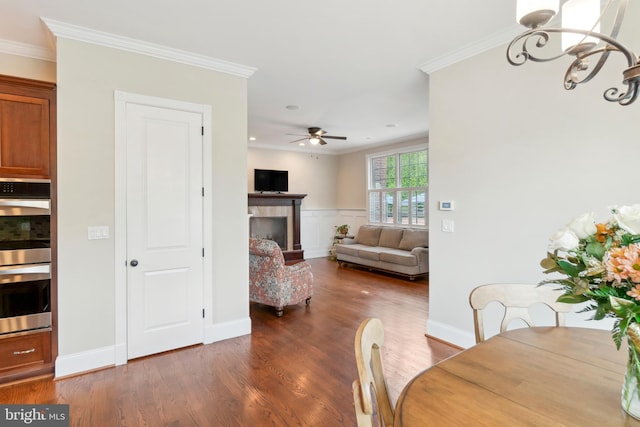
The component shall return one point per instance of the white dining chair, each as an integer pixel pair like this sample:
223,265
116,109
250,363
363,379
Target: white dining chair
516,298
370,395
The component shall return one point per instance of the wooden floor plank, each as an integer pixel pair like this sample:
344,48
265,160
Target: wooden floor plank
294,370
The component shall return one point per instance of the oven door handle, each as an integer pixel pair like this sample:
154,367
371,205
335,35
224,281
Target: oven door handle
16,207
25,273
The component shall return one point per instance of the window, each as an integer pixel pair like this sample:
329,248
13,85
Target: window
398,188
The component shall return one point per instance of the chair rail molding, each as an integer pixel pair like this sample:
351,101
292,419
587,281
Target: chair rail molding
318,228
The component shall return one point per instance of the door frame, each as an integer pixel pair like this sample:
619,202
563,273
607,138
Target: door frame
121,99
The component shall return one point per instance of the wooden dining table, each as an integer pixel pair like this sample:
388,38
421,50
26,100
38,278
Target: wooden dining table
545,376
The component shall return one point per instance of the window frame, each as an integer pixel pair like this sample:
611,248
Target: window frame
394,218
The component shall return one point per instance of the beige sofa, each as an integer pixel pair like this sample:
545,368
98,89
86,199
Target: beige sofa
402,251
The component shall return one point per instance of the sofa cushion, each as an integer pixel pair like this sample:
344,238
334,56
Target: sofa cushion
397,256
368,235
413,239
348,249
390,237
371,253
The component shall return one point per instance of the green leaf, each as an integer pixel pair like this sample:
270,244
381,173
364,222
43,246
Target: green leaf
569,269
620,303
616,335
601,312
628,239
624,324
572,299
624,309
595,249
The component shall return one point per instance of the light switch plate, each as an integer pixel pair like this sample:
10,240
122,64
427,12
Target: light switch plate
97,232
447,225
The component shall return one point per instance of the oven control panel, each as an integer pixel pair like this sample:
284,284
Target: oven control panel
25,189
7,188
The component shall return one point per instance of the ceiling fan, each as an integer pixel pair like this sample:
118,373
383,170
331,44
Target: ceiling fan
316,136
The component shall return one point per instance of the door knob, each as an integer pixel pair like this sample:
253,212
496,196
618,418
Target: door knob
134,262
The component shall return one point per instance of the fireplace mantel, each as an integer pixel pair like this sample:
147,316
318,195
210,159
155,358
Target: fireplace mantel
293,201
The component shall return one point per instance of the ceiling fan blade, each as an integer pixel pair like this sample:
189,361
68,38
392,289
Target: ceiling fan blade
295,134
322,141
301,139
334,137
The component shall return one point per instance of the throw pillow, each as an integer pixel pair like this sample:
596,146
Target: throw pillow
390,237
368,235
413,239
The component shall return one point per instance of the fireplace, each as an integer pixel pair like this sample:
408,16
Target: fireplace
271,228
272,210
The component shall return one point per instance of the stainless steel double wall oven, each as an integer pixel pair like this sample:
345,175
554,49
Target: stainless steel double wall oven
25,255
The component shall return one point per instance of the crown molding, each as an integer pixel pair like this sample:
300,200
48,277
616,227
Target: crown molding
27,50
87,35
472,49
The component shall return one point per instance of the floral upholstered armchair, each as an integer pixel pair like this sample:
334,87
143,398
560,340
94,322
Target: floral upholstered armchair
273,283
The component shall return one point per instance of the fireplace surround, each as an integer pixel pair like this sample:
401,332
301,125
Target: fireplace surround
270,228
279,205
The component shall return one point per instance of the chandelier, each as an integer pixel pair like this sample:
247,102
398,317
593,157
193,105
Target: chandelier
581,38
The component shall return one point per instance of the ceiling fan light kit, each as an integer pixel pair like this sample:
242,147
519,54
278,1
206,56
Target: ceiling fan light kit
581,38
316,136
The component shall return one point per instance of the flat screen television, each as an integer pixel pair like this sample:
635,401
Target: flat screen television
271,180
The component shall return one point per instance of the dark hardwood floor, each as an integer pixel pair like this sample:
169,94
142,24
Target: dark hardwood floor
295,370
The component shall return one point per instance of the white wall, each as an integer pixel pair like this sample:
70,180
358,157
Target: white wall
520,156
29,68
87,77
309,173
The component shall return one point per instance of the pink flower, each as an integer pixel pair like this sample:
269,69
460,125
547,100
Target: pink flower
624,264
634,292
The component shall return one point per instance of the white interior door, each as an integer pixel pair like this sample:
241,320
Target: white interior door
164,229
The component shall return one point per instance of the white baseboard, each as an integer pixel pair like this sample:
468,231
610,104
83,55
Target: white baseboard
121,354
103,357
85,361
226,330
321,253
449,334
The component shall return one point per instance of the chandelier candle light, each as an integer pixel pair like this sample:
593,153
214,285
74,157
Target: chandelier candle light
581,38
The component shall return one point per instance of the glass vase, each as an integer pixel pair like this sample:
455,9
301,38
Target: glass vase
630,388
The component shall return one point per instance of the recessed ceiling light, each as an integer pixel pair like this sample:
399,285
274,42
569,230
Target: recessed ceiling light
292,107
252,138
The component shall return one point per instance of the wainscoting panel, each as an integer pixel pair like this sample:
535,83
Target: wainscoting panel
318,226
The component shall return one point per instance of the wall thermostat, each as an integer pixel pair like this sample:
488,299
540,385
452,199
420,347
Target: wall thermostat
446,205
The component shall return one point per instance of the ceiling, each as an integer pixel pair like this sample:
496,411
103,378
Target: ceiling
352,67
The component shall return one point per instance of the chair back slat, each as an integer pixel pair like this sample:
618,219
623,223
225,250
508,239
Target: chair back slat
516,298
371,396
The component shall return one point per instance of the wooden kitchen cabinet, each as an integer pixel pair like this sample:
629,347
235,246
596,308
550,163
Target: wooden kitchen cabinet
27,127
27,351
28,151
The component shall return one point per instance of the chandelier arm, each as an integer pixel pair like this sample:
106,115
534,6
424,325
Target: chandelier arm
617,22
631,76
631,57
531,39
528,45
626,97
582,64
